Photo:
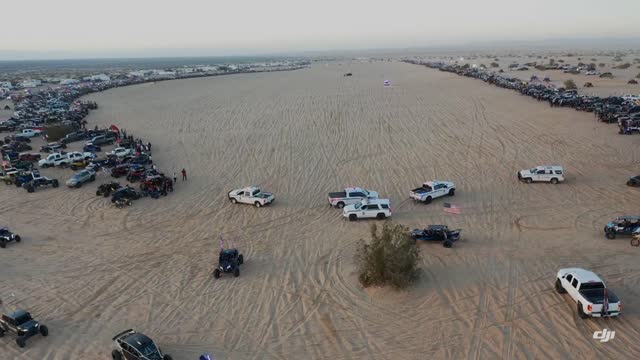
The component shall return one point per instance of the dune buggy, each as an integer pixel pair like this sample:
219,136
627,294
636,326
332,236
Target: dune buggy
7,236
229,261
437,233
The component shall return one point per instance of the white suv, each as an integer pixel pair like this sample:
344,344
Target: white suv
553,174
368,209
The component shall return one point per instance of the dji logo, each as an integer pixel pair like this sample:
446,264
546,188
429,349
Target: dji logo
604,335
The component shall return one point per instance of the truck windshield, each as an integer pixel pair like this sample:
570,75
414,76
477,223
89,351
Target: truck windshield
365,192
591,285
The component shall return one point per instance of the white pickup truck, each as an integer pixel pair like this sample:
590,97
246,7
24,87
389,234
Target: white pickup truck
52,160
350,196
29,132
64,159
592,297
76,156
251,195
431,190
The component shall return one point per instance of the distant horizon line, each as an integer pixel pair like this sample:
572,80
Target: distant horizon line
584,43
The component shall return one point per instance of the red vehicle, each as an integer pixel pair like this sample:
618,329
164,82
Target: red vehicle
137,175
29,157
120,170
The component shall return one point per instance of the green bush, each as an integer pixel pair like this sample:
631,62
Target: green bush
606,75
570,84
623,66
390,258
56,132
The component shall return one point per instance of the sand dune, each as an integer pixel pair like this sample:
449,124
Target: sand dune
88,270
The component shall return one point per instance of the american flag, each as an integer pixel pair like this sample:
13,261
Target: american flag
451,209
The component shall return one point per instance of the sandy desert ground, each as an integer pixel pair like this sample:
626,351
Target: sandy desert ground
88,270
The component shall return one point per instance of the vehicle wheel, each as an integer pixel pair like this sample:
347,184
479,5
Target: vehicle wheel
18,238
452,192
45,165
233,201
79,185
55,183
115,175
241,259
3,244
236,272
116,355
30,189
629,183
353,217
167,357
380,216
581,312
554,181
106,194
610,235
44,331
258,204
21,342
428,200
1,332
559,288
448,244
98,193
340,205
635,242
216,273
528,180
92,178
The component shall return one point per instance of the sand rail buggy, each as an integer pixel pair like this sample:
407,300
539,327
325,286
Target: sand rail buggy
132,345
229,261
107,189
437,233
6,236
622,225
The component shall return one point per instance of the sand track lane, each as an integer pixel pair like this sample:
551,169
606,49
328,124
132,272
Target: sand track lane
89,270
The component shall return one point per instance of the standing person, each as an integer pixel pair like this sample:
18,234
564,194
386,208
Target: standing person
184,174
175,178
149,146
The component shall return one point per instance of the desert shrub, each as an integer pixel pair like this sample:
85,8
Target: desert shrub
569,55
606,75
623,66
591,66
601,64
636,60
466,66
552,61
570,84
588,85
541,67
560,60
57,132
581,64
495,64
390,258
638,76
593,59
632,81
617,58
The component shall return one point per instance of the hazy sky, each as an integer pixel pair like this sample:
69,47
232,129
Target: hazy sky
85,27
